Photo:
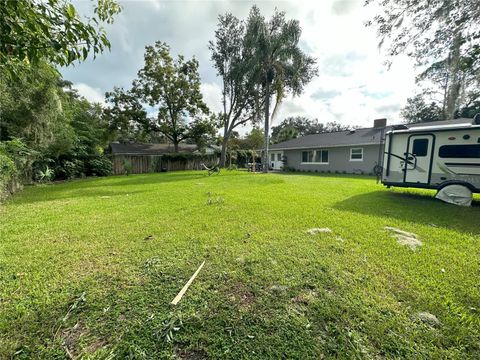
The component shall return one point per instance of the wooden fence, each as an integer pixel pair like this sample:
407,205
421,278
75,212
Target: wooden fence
141,164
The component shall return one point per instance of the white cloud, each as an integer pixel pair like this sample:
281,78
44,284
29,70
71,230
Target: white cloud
212,95
353,86
90,93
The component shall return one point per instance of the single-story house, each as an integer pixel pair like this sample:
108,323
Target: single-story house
138,158
352,151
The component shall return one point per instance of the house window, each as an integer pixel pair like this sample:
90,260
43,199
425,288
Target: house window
307,156
356,154
420,147
460,151
279,157
272,157
321,156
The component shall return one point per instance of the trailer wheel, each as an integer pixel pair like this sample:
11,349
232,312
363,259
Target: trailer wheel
456,194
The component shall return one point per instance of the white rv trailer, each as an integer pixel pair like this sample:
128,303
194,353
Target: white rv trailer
434,156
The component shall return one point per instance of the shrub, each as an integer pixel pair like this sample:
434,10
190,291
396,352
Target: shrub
45,175
127,167
70,169
99,166
15,166
7,172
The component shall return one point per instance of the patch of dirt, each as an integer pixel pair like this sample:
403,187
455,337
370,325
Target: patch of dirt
71,338
405,238
240,294
190,354
94,346
315,231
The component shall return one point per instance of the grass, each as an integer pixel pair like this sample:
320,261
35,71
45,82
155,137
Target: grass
88,269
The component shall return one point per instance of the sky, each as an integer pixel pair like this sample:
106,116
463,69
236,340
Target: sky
353,85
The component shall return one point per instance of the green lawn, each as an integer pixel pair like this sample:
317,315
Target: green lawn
88,269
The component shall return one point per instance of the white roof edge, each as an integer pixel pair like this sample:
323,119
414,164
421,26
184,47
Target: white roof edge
436,127
321,147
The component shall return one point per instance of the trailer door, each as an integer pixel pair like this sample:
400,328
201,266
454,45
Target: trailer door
419,159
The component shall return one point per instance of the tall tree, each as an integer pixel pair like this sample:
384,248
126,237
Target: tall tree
277,62
303,125
285,134
33,30
239,96
126,116
418,110
30,106
172,88
432,31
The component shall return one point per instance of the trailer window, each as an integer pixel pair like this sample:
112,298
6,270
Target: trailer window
460,151
420,147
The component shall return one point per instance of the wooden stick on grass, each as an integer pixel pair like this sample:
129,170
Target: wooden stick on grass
185,287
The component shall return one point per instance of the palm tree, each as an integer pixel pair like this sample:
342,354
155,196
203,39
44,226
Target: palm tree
276,61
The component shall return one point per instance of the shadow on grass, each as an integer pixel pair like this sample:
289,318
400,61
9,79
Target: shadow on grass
326,175
92,187
95,195
418,208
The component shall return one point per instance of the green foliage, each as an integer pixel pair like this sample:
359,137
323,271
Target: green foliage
295,126
127,167
64,129
240,93
444,39
99,166
172,88
285,134
69,169
15,162
417,110
277,62
126,116
31,107
45,175
35,30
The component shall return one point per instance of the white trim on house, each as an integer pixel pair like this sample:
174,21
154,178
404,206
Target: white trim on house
314,156
314,163
351,153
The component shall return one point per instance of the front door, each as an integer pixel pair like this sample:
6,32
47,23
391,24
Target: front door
418,158
276,161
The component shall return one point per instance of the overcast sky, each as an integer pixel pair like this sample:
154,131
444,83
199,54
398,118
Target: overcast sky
353,86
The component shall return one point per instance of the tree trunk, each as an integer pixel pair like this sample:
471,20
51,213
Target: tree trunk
267,127
175,146
226,134
454,75
223,154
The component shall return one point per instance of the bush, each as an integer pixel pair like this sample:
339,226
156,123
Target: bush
7,172
70,169
127,167
45,175
99,166
15,166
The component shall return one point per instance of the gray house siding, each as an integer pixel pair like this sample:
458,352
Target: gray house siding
338,160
